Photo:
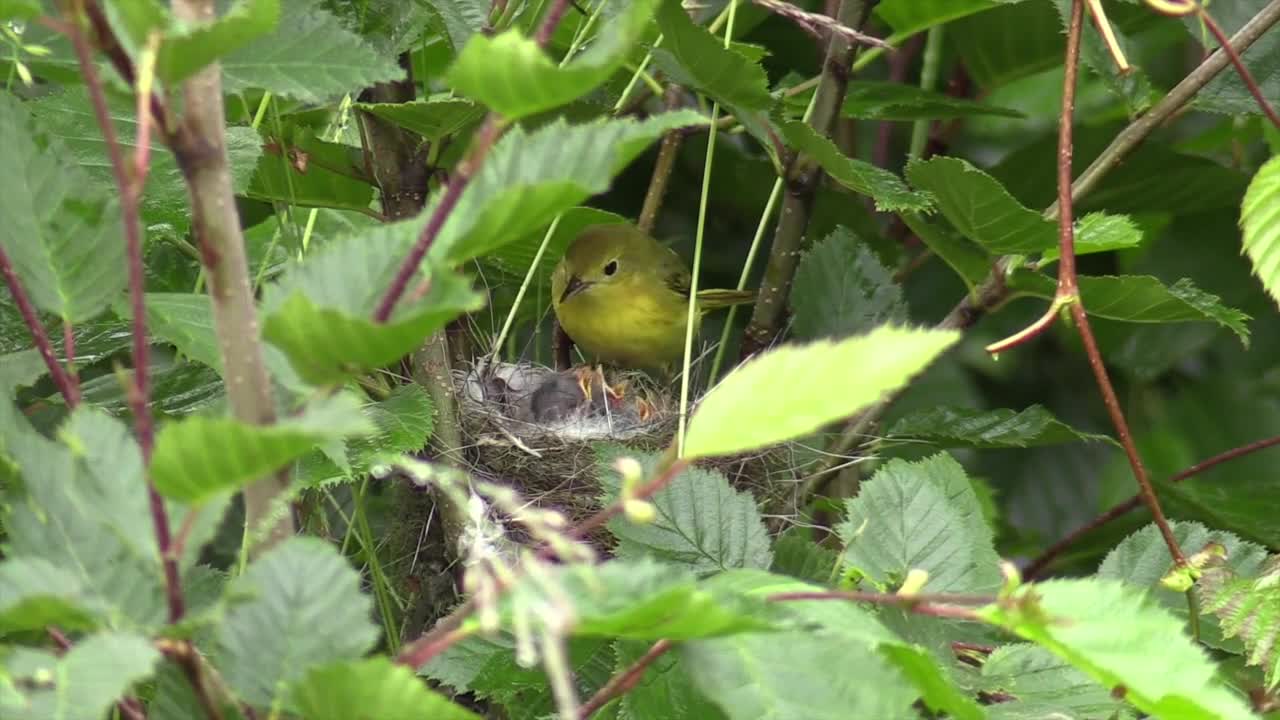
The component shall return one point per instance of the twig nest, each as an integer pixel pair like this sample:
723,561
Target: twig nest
533,428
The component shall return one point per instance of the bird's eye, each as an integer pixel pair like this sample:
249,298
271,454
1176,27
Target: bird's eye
611,268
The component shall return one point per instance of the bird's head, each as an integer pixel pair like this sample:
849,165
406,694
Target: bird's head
599,257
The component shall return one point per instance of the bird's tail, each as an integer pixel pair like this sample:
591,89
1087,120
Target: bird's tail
712,299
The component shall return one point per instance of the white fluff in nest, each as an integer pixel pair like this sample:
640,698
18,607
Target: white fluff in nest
531,401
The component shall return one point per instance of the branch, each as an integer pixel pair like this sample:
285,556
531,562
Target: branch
943,606
61,378
483,141
662,168
802,180
623,682
130,184
1038,565
821,26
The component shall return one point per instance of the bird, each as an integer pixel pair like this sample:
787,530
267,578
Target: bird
623,297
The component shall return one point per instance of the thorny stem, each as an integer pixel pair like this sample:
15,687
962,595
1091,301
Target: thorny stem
1038,565
625,681
70,390
130,182
485,138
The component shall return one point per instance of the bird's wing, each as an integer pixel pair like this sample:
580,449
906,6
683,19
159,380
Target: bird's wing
675,275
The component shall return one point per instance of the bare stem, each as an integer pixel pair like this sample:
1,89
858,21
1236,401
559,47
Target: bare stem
623,682
1038,565
662,168
70,391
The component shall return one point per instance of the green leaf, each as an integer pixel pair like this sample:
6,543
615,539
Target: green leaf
186,320
966,258
371,688
980,208
1227,93
925,516
1258,221
19,9
515,258
1121,640
82,507
310,57
684,532
82,684
532,176
667,689
305,609
512,76
798,556
1248,608
1040,685
403,424
320,311
461,18
486,666
190,49
887,189
965,427
841,289
869,100
62,234
20,369
432,118
643,600
35,594
306,171
1141,299
794,390
691,56
199,458
1096,232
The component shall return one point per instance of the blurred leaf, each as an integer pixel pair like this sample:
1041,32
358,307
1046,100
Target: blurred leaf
802,558
188,49
793,390
371,688
924,516
691,56
908,17
461,18
1010,42
873,100
83,683
515,258
667,689
198,458
888,191
1248,608
512,76
35,594
684,532
964,427
63,236
841,289
1257,219
1141,299
308,172
1041,685
1227,93
1115,636
320,311
176,389
311,57
304,609
432,118
403,424
530,177
20,369
19,9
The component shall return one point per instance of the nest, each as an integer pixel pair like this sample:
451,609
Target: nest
534,429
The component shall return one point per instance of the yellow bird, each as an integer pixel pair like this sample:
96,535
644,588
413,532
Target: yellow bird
624,297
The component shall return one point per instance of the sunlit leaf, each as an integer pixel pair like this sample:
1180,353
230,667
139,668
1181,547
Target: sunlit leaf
1261,229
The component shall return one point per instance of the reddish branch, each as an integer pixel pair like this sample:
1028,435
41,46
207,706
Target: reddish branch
486,137
64,381
1247,77
1038,565
131,184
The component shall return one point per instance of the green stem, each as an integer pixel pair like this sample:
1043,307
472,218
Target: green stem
928,79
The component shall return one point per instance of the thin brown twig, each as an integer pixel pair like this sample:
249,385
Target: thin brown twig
668,150
821,26
1243,71
623,682
130,185
1037,566
61,378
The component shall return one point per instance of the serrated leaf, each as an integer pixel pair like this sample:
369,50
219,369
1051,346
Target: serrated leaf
691,56
1117,637
530,177
63,235
888,190
1248,607
667,689
1040,685
432,118
923,516
487,667
1004,428
403,424
1141,299
198,458
320,310
840,289
685,530
305,609
187,50
794,390
512,76
83,683
800,557
20,369
35,594
371,688
870,100
1261,230
461,18
980,208
311,57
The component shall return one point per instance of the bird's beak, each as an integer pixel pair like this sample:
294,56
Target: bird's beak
573,287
